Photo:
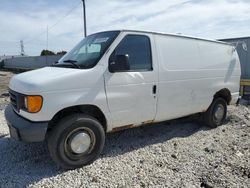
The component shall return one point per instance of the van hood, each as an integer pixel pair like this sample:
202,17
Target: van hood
51,79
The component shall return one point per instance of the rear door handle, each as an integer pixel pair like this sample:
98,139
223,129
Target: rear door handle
154,89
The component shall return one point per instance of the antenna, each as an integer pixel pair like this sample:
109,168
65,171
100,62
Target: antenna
22,48
47,45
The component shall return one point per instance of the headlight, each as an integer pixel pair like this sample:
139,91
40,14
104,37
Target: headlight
33,104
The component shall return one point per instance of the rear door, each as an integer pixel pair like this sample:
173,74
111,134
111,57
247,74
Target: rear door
132,94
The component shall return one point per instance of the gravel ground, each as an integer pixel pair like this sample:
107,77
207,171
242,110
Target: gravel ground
4,81
179,153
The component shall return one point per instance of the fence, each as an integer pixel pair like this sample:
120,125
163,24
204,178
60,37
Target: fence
26,63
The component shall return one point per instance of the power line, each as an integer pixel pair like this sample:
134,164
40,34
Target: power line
52,26
70,11
8,41
30,41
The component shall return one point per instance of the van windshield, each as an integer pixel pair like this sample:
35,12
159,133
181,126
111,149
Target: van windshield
89,51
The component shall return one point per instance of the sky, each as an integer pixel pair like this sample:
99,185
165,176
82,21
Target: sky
28,20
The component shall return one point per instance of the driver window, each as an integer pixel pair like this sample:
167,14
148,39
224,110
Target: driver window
138,48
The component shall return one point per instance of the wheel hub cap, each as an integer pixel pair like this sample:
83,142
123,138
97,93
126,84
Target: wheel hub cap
219,112
80,143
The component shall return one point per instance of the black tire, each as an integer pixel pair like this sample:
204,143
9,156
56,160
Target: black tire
58,141
210,117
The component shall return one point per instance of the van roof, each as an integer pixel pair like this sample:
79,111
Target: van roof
176,35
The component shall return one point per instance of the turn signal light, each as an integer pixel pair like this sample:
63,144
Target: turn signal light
34,103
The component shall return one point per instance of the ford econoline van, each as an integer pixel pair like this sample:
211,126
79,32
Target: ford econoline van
120,79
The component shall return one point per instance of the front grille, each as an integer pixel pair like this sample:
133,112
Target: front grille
13,99
17,100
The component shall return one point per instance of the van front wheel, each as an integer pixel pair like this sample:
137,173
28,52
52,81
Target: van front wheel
216,113
77,140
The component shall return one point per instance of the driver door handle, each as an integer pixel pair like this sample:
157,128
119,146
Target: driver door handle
154,89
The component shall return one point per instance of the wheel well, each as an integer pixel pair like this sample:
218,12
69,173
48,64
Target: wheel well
90,110
225,94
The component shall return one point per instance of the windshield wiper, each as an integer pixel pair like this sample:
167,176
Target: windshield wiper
54,64
73,62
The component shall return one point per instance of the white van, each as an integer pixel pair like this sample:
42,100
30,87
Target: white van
120,79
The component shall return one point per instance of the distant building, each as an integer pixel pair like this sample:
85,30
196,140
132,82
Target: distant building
29,62
8,57
243,49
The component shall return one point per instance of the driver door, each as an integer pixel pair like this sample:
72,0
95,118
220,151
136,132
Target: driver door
132,93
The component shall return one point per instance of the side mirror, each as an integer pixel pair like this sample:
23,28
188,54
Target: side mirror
119,64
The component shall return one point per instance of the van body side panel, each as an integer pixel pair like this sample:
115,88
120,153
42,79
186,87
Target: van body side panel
191,72
225,61
236,75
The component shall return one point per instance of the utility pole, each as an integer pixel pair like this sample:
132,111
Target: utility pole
47,45
84,18
47,39
22,48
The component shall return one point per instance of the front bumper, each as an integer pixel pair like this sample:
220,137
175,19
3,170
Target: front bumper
24,130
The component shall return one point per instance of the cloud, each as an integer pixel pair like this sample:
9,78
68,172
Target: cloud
27,20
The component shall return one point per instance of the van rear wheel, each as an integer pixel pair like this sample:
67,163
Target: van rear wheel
77,140
216,113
